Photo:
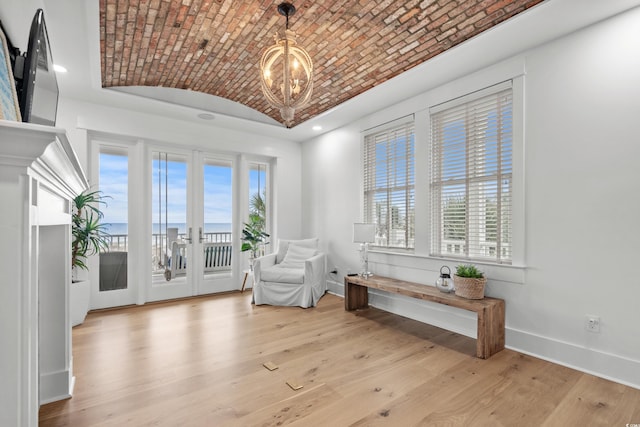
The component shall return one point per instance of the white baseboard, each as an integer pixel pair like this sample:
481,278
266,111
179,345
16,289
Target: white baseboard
601,364
595,362
55,386
335,288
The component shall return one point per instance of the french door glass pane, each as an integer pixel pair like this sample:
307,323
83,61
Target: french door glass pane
114,184
258,191
169,210
218,201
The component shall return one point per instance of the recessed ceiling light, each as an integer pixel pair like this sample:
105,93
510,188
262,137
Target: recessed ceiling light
317,127
206,116
59,68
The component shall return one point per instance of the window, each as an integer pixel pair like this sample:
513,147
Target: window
471,176
114,185
389,185
170,185
218,200
258,197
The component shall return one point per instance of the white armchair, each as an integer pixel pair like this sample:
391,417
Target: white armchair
294,276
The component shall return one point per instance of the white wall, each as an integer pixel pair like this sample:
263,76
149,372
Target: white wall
330,202
582,184
16,17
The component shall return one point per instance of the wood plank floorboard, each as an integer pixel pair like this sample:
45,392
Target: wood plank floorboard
199,362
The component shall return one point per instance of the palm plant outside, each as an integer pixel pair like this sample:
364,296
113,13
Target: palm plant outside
253,233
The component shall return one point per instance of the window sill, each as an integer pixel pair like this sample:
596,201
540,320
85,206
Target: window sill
384,260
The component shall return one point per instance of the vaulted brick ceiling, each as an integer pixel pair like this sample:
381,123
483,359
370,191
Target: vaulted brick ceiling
214,46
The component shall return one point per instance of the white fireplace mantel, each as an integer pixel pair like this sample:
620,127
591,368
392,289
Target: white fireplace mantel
39,175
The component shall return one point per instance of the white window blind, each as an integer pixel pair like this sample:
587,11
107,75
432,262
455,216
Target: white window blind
389,185
471,176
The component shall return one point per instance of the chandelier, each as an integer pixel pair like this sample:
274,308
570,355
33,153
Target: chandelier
286,71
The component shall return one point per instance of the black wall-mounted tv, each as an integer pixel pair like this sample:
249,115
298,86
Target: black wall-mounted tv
35,78
39,91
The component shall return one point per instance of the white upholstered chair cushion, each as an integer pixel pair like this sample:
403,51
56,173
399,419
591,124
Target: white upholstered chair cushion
283,275
296,256
283,246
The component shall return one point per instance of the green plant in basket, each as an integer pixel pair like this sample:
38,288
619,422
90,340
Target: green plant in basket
468,270
469,282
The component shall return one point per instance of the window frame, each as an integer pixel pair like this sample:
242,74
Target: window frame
467,177
513,71
384,134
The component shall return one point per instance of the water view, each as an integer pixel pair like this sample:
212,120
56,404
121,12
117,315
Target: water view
122,228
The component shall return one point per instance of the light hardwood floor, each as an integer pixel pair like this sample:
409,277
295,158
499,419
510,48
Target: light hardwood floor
198,362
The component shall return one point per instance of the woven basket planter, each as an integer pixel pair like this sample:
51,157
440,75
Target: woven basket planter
468,287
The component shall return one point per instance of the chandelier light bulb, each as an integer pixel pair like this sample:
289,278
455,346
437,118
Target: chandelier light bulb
267,77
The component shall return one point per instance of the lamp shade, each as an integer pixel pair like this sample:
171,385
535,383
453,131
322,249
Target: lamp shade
364,233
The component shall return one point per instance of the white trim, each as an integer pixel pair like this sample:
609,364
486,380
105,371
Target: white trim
518,216
501,72
401,121
52,382
426,269
591,361
480,93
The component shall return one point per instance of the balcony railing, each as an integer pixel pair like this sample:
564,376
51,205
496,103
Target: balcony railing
120,242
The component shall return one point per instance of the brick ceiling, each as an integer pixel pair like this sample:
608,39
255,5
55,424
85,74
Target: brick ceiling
214,46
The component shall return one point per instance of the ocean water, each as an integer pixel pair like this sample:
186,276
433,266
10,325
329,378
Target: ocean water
209,227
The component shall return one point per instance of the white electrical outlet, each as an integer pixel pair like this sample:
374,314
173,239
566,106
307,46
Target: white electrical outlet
592,324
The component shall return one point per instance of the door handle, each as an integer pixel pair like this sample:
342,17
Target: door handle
189,238
200,235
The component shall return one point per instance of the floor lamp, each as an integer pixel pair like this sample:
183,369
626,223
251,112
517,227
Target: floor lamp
364,234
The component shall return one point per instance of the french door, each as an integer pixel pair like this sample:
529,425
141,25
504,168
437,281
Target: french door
215,224
113,278
191,241
169,216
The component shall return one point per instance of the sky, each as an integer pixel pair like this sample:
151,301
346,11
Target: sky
113,184
171,177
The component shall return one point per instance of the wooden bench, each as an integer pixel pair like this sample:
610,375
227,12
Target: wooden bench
490,311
